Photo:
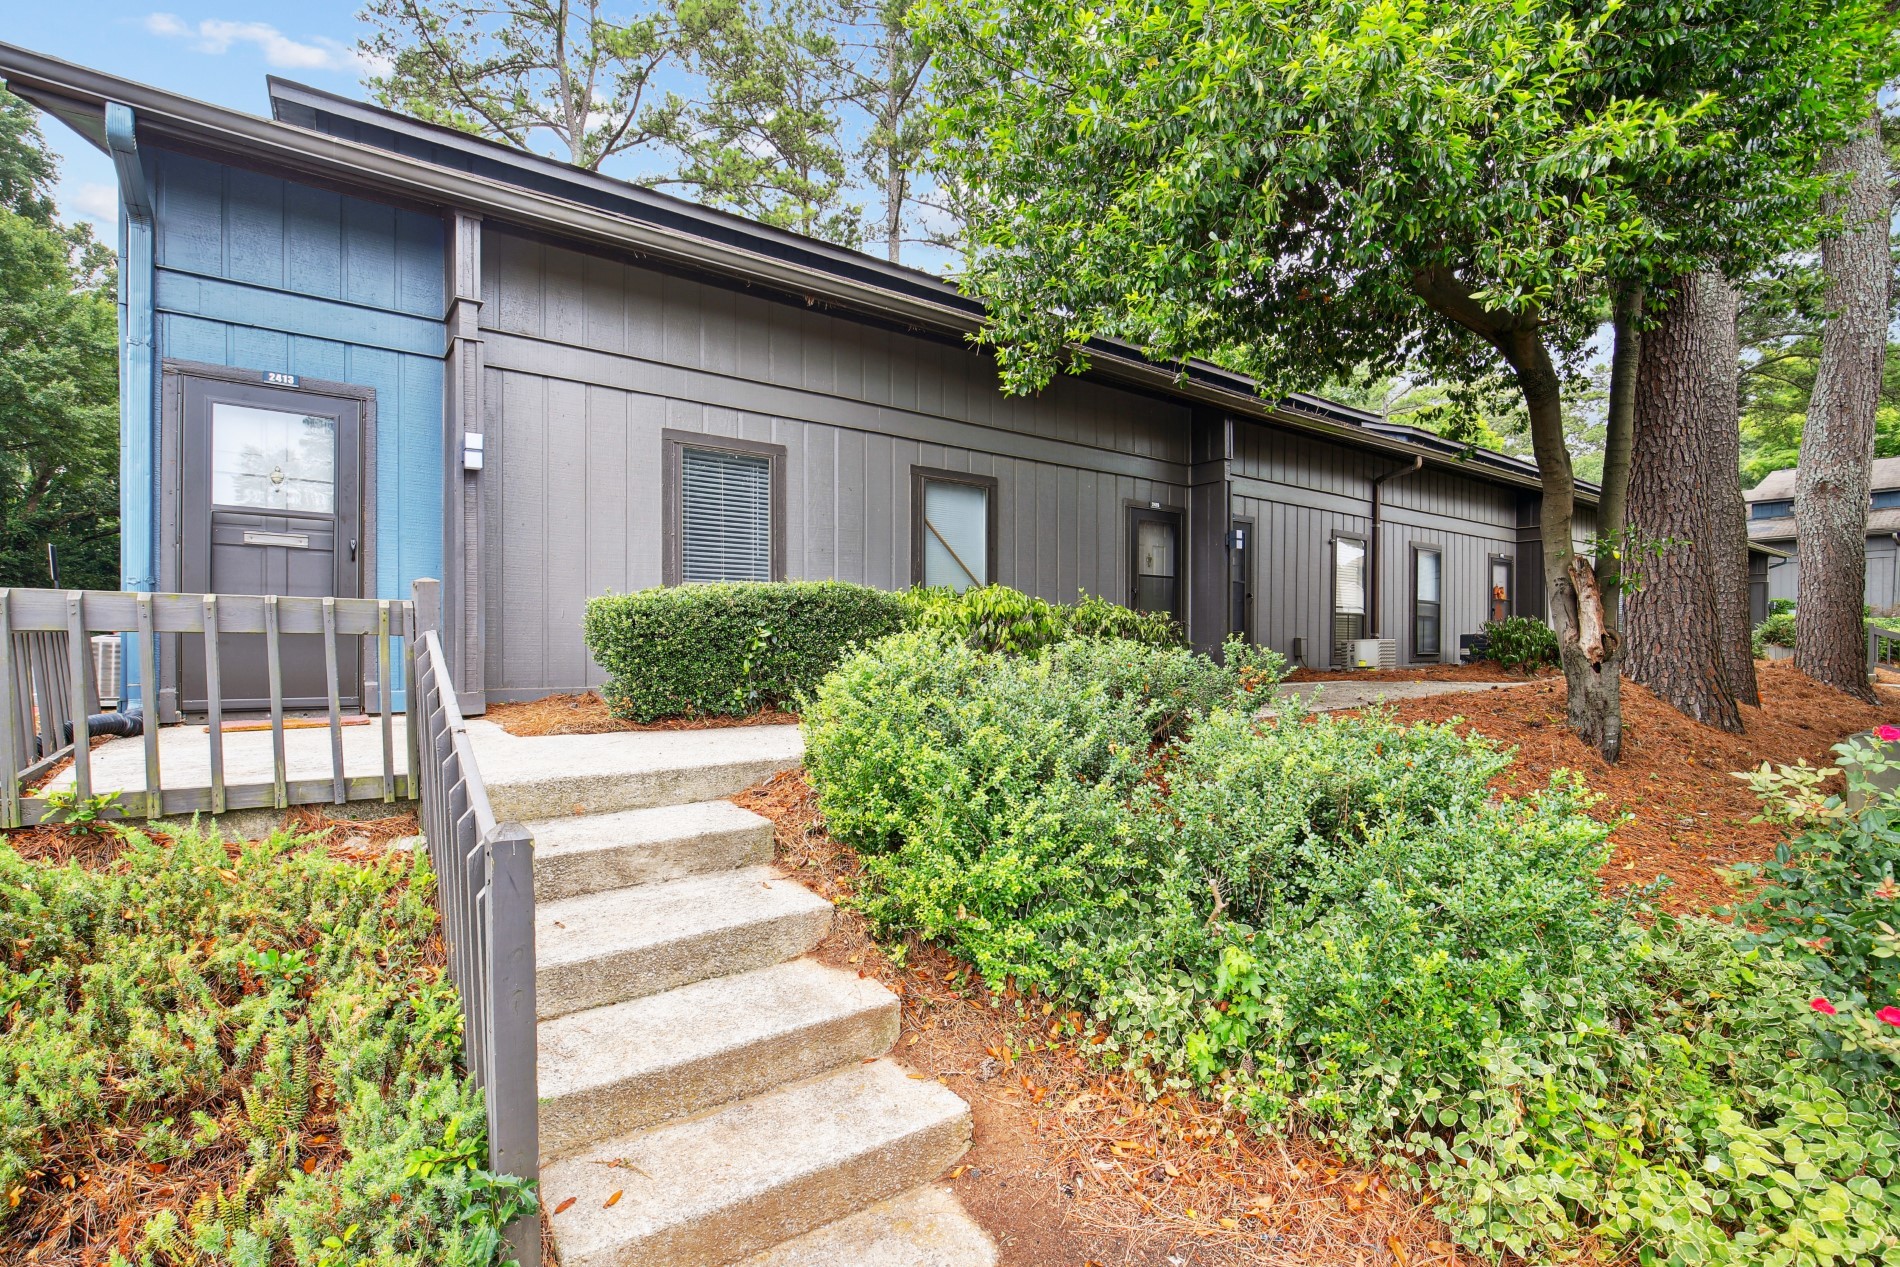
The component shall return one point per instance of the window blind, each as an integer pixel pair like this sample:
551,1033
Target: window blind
1427,586
725,516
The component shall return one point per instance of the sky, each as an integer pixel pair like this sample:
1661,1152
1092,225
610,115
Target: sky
219,52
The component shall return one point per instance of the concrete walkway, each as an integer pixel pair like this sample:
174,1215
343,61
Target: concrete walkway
184,756
1329,697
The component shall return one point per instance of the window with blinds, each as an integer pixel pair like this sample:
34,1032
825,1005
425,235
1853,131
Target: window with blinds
955,526
725,502
1428,581
1349,596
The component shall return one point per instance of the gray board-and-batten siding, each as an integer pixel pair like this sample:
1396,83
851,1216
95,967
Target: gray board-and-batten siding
589,360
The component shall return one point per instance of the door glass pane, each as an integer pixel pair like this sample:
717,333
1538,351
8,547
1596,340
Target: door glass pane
956,529
1428,576
1500,589
272,459
1155,549
1349,596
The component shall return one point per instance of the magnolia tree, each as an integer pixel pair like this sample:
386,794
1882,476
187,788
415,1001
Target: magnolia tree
1297,190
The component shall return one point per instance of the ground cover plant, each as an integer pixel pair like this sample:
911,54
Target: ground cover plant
238,1054
1335,926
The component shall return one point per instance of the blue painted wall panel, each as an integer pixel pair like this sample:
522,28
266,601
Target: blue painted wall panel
260,273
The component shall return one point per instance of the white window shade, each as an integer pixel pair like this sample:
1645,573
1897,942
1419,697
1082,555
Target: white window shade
1429,578
725,516
956,534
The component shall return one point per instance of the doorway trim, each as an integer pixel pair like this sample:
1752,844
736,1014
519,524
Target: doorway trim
171,481
1133,507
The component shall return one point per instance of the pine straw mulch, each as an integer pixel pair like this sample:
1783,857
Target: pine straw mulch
93,1193
585,713
1689,819
1073,1165
349,839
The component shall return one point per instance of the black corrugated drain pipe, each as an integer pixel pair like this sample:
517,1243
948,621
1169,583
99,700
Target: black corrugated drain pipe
1373,578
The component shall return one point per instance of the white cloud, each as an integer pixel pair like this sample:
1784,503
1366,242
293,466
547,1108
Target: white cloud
92,201
281,52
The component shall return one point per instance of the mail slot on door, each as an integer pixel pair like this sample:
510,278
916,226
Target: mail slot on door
294,540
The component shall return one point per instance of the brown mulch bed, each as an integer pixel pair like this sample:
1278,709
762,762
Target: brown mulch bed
585,713
353,839
1480,671
1073,1165
1689,819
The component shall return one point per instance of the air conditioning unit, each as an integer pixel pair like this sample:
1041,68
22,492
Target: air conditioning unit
1375,653
108,670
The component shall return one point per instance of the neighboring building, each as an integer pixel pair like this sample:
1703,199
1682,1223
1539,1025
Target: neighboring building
1771,525
361,349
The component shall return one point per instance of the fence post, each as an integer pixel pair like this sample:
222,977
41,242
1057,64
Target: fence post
513,1096
425,615
1873,644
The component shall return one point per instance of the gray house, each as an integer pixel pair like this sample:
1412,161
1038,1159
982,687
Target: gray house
359,349
1771,528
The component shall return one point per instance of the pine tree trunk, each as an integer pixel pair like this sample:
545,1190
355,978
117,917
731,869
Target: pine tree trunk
1672,620
1837,444
1618,428
1728,513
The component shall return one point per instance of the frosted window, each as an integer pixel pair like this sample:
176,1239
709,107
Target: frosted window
956,534
271,459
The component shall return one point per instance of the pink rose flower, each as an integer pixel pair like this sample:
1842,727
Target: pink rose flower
1824,1007
1890,734
1891,1015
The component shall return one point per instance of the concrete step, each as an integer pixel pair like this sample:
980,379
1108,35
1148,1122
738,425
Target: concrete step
556,776
625,943
925,1227
715,1189
610,1071
592,853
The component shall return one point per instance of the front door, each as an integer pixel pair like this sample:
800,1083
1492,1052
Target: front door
1503,587
271,504
1154,566
1240,615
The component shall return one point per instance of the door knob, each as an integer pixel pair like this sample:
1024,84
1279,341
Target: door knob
352,549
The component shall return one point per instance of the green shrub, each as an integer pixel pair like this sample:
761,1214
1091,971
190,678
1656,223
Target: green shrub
1776,631
1523,643
997,618
190,1003
1777,606
730,648
1332,922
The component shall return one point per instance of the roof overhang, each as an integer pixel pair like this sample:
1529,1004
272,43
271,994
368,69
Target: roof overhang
78,96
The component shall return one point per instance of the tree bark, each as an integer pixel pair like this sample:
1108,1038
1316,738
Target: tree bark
1591,652
1618,428
1673,618
1837,443
1728,513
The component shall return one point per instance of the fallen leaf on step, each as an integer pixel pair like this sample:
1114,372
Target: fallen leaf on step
610,1202
562,1208
868,1060
958,1172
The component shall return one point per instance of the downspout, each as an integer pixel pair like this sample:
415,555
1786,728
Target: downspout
138,419
1373,578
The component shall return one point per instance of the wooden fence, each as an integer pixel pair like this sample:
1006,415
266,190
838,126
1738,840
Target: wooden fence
47,692
1883,648
485,881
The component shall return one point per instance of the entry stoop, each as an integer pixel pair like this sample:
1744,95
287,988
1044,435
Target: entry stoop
731,1097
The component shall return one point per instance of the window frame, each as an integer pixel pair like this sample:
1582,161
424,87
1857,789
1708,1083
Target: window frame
1334,656
1422,548
1133,511
992,488
672,498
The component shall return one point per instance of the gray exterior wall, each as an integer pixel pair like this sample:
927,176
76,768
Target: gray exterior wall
588,360
1301,492
1883,574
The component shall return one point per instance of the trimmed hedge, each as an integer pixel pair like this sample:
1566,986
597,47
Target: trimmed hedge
728,648
998,618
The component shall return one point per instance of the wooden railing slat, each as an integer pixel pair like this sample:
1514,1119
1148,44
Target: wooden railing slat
214,702
42,610
274,670
79,673
384,703
332,684
148,703
12,730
